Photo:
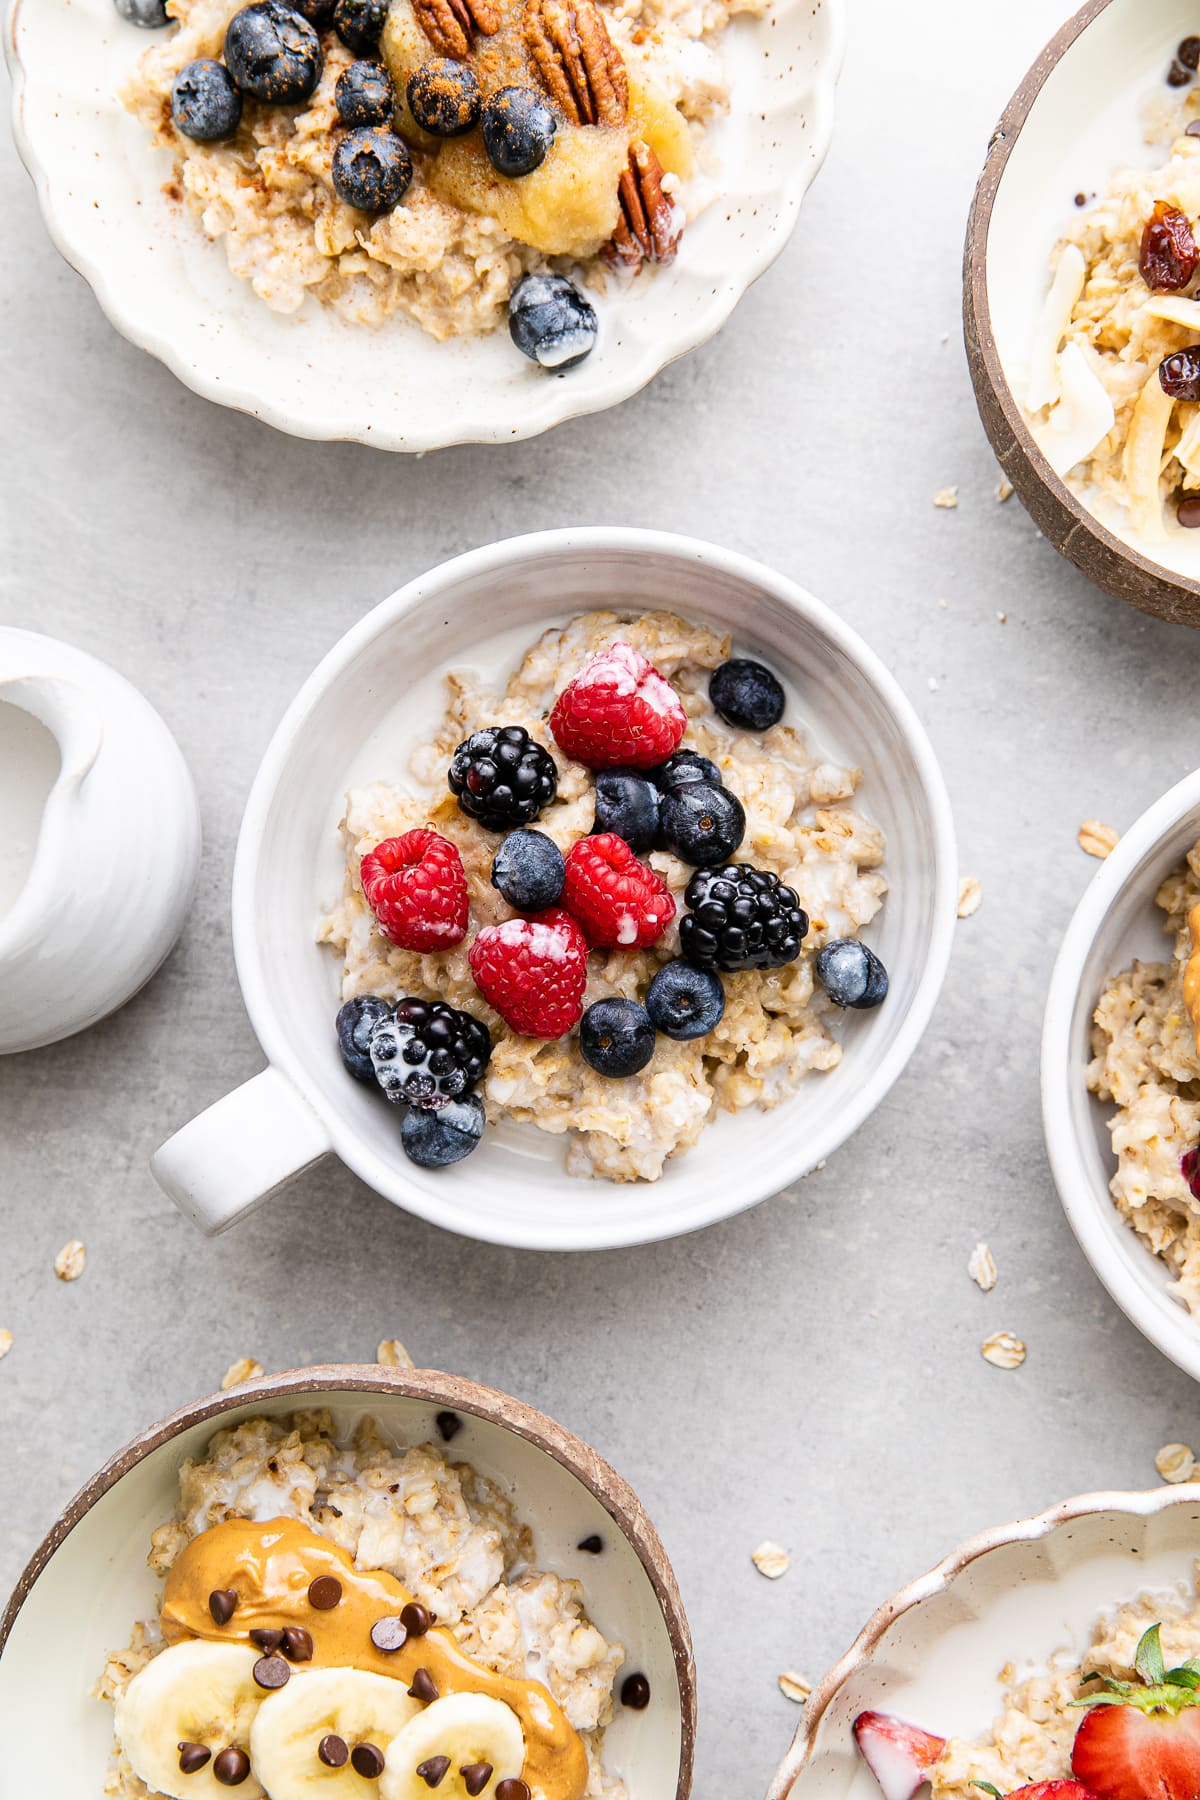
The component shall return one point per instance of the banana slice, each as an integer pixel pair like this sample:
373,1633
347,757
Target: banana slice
198,1694
342,1709
472,1731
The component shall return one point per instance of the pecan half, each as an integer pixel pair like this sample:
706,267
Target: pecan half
450,25
576,61
649,228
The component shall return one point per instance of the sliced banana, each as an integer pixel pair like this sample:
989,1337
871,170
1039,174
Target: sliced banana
471,1730
350,1705
196,1693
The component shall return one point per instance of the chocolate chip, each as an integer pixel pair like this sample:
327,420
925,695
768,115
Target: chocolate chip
1189,53
433,1770
389,1634
512,1789
1178,75
267,1641
593,1545
334,1751
476,1776
297,1644
424,1687
1081,199
1188,513
635,1692
415,1618
324,1593
222,1604
271,1672
231,1767
367,1760
449,1425
193,1757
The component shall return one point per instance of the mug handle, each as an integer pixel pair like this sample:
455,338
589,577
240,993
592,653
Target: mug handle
233,1156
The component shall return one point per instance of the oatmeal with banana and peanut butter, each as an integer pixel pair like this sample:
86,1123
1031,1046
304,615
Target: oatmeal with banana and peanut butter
338,1611
610,900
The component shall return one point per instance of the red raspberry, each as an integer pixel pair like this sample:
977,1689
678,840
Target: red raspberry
618,713
533,971
417,890
620,902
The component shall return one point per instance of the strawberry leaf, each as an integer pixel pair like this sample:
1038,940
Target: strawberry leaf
989,1789
1149,1659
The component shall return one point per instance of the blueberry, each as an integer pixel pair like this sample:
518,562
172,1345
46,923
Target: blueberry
701,824
529,870
684,766
684,1002
372,169
549,319
437,1139
149,14
746,694
851,974
518,130
359,23
356,1022
205,105
317,12
273,53
364,95
444,97
628,804
616,1037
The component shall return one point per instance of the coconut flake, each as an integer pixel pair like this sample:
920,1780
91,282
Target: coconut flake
1083,417
1143,458
1045,370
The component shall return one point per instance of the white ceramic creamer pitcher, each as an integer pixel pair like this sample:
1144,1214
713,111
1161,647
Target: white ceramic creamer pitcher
99,840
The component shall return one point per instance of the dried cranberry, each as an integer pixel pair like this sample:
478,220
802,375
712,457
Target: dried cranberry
1188,513
1189,1168
1169,254
1179,373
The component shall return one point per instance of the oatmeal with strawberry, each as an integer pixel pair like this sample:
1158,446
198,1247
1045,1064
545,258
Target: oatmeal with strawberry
610,901
341,1611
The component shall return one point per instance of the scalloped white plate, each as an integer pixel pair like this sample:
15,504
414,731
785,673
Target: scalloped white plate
167,288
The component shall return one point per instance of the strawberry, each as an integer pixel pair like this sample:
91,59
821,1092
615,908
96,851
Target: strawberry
533,971
618,712
618,900
1047,1790
1140,1739
417,890
900,1756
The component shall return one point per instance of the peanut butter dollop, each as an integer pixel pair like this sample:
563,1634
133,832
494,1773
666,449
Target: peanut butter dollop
1191,975
270,1568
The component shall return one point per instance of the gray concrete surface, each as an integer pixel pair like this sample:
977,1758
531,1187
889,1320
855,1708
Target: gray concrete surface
809,1372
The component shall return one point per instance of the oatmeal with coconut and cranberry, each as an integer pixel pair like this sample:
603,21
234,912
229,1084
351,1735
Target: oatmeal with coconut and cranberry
1145,1059
611,900
340,1610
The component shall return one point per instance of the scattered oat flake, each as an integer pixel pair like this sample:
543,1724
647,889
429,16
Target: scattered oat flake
1003,1350
771,1560
1176,1462
946,497
70,1261
933,684
982,1268
970,896
392,1354
244,1369
6,1342
1004,491
1003,618
1098,839
795,1686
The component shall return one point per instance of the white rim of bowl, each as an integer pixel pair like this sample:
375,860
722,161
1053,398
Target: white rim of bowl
701,322
384,1177
1179,1340
942,1576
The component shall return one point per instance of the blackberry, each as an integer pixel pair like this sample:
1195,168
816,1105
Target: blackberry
741,918
429,1053
501,777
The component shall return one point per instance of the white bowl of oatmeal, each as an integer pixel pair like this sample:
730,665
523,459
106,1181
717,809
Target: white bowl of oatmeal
379,697
1118,1051
326,323
986,1650
549,1586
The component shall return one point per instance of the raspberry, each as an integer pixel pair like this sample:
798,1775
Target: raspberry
533,971
417,890
619,901
619,712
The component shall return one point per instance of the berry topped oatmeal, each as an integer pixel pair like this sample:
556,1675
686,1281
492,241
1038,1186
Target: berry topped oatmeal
1122,1722
338,1612
1145,1059
610,901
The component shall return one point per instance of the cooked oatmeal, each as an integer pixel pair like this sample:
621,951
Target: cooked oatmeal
447,1533
1145,1060
777,1026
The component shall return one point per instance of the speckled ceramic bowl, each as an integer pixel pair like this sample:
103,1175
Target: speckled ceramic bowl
168,289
